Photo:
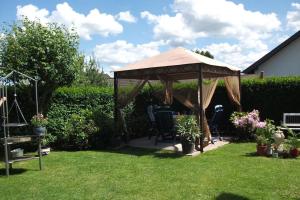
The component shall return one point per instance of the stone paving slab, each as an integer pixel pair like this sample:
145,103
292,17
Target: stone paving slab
170,146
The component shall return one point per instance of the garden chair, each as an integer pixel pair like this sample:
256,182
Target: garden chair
165,125
216,122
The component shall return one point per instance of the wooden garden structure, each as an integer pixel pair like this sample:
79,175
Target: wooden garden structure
170,67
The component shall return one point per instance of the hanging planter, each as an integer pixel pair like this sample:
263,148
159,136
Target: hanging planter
39,123
39,130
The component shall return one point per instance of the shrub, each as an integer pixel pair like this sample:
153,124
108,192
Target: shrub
70,106
79,129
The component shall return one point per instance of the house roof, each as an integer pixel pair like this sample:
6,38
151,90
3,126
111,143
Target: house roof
175,57
266,57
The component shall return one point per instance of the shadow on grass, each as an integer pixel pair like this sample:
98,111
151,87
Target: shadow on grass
230,196
146,152
252,154
13,171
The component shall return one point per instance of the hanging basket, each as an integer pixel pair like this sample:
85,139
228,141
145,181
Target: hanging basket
39,130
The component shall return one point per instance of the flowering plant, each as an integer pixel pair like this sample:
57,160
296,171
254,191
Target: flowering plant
266,132
39,120
247,120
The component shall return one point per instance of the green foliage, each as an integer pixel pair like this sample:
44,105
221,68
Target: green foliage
79,128
264,135
91,75
187,127
292,140
91,108
204,53
49,52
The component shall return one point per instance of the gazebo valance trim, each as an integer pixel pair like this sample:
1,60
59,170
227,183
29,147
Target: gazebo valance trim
179,72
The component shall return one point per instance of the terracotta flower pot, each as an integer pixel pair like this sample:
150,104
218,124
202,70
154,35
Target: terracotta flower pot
294,152
261,150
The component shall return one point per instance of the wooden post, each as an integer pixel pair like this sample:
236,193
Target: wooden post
240,88
200,108
115,103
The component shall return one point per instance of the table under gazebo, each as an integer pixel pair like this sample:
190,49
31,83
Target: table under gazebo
169,68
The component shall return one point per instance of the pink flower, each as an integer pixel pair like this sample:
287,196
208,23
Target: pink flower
261,125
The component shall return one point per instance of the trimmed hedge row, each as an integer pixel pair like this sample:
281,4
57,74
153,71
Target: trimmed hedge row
271,96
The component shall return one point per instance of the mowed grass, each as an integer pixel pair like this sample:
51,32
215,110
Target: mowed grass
226,173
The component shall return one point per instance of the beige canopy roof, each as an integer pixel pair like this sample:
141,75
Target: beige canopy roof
178,63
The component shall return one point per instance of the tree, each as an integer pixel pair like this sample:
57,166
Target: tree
91,74
49,52
204,53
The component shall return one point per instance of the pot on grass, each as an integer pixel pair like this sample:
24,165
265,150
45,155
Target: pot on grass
187,146
188,129
261,150
294,152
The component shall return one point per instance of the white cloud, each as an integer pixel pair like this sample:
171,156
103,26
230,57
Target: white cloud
293,17
94,23
237,55
127,17
33,13
222,19
194,19
120,53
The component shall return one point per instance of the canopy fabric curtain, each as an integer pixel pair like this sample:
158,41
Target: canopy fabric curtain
232,85
128,93
188,97
128,90
168,90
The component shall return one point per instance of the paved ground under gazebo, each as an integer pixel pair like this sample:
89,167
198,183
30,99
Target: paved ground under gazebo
170,146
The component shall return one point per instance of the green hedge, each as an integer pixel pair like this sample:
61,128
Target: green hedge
87,108
271,96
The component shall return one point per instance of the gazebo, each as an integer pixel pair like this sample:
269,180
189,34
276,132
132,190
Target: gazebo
170,67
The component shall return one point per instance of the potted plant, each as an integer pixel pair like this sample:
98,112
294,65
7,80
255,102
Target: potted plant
188,129
246,123
39,123
293,144
264,137
261,147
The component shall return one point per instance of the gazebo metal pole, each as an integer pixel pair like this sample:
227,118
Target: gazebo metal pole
240,89
4,132
200,106
37,111
116,129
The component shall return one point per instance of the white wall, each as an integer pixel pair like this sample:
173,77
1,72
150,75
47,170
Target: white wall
285,63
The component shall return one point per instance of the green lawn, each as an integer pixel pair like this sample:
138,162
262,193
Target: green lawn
227,173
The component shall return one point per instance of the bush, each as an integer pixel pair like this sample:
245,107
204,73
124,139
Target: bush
81,117
79,129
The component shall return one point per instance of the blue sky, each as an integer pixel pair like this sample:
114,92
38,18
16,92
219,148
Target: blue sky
122,32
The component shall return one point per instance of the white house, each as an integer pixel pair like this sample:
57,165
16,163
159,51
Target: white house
284,60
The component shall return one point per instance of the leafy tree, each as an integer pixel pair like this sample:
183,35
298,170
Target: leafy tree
91,74
204,53
49,52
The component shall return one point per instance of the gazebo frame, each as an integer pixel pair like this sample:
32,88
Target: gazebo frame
182,70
